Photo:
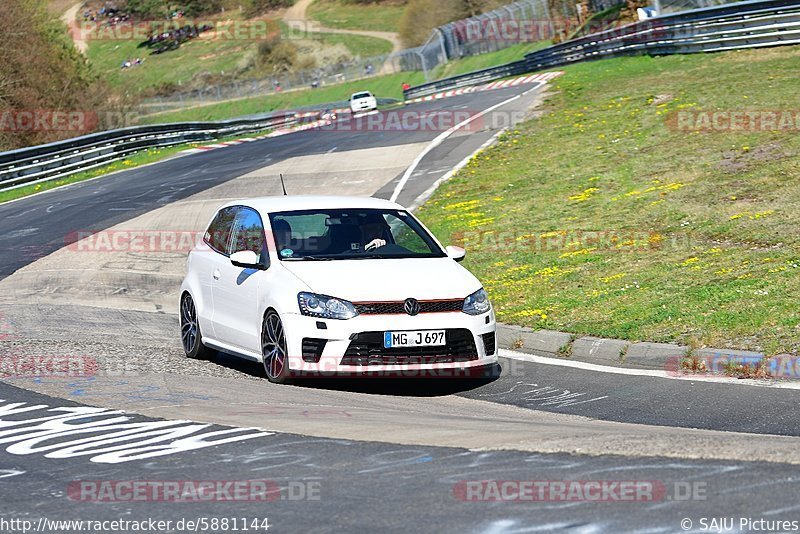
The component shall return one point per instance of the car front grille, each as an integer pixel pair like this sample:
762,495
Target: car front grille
366,348
489,343
312,349
396,307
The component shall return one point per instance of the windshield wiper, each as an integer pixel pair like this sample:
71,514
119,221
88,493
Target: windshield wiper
312,258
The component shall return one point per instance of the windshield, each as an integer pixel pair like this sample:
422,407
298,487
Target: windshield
361,95
340,234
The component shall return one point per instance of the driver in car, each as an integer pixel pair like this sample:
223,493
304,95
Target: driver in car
375,232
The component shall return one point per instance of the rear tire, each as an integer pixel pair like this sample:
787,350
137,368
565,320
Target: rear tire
191,338
273,349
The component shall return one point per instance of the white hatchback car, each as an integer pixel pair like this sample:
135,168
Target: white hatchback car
363,101
320,285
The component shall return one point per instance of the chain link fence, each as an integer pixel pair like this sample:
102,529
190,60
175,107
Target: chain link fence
674,6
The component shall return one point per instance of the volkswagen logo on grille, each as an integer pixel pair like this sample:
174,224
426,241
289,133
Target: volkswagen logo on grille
411,306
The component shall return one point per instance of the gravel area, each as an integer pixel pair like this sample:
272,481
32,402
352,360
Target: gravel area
87,341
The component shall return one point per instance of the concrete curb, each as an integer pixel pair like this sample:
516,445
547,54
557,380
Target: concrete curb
617,352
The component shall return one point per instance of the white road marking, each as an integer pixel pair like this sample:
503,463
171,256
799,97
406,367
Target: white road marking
439,139
113,439
655,373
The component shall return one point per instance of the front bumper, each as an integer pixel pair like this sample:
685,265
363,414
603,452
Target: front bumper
353,347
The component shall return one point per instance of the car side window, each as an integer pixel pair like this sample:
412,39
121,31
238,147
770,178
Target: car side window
219,231
248,232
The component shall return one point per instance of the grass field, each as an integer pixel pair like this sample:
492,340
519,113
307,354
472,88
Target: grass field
203,54
482,61
602,217
218,56
373,17
358,45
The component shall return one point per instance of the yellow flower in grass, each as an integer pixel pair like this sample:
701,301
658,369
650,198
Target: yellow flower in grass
584,195
468,204
594,293
550,234
761,214
581,252
607,279
542,314
478,222
552,272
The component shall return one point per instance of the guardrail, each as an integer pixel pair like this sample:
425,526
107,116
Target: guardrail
758,23
470,78
41,163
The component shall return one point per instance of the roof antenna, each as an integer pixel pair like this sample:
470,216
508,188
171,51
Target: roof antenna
282,184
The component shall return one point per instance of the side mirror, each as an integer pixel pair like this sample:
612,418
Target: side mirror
247,259
456,253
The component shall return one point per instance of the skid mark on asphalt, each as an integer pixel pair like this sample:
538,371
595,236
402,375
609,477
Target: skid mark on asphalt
535,395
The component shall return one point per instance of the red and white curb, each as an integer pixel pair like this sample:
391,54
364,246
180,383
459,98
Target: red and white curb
223,144
543,77
532,78
307,126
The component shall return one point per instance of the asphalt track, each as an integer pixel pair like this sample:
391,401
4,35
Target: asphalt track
370,481
378,487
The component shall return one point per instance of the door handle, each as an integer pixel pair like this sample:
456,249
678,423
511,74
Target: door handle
216,274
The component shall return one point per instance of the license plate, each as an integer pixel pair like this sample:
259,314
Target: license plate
414,338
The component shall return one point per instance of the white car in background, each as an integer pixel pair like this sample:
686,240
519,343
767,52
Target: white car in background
363,101
330,285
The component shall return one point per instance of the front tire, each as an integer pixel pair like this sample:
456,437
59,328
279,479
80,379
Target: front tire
191,338
273,349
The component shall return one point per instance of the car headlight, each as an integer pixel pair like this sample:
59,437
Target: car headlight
325,307
477,303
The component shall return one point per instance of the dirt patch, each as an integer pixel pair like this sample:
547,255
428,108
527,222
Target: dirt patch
735,161
661,99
